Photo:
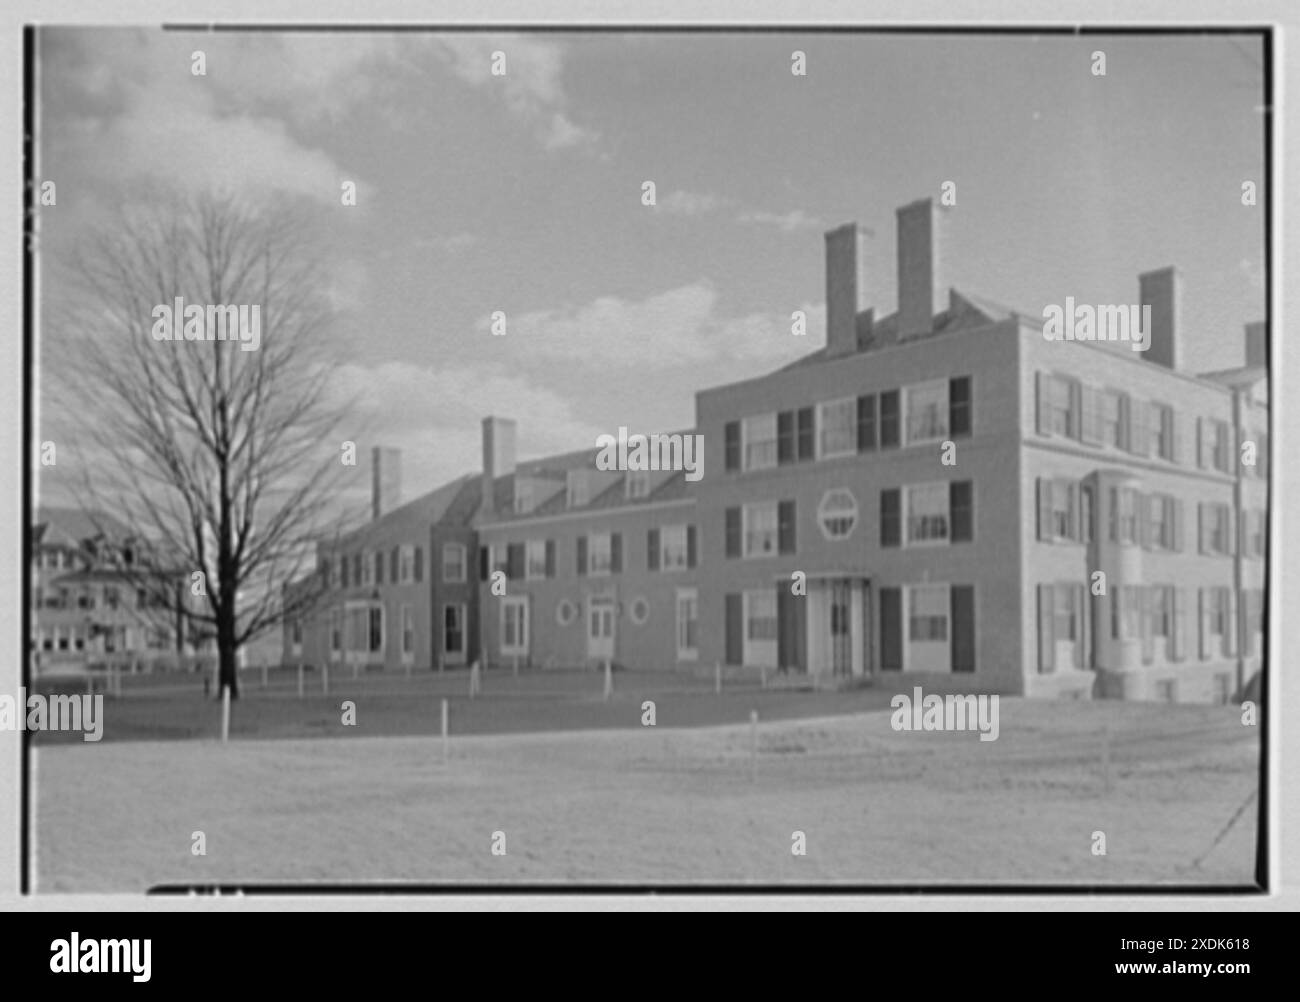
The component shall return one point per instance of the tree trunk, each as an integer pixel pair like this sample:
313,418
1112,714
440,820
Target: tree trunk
227,673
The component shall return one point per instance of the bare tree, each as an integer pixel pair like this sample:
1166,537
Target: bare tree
221,460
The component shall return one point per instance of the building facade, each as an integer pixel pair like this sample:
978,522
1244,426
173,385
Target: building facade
942,491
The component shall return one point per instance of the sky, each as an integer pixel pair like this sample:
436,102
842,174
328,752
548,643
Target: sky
522,193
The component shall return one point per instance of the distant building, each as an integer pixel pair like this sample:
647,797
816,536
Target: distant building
940,491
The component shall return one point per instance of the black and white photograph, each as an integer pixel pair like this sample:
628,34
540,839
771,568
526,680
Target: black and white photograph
466,458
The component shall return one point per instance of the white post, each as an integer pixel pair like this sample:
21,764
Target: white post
444,732
225,714
717,677
300,680
473,680
753,745
609,681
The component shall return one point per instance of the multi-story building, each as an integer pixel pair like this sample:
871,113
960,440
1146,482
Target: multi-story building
87,600
942,490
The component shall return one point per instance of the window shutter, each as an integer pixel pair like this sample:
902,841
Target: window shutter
1202,525
550,558
1201,442
1044,381
393,572
785,438
890,517
1204,620
960,511
1076,408
867,423
615,552
419,563
1046,627
889,420
1178,626
1174,435
690,546
1229,599
806,421
732,532
652,550
1148,632
515,561
962,600
1045,532
959,406
379,567
735,629
785,527
1080,654
731,445
582,556
891,629
484,562
1085,625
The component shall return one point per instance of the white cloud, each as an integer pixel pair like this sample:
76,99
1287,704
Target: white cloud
787,222
673,328
689,203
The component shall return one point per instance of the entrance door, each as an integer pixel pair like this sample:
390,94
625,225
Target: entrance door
600,628
841,629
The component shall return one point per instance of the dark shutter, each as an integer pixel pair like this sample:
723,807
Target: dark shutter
581,556
867,423
807,439
785,536
515,561
419,563
393,574
959,406
889,420
961,511
550,558
890,517
615,552
735,630
690,546
1046,627
962,598
785,438
891,629
731,445
733,532
484,563
379,567
1046,531
652,550
791,640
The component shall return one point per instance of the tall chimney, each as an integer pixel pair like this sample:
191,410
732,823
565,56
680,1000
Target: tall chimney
846,288
1162,291
1257,343
922,289
385,481
498,455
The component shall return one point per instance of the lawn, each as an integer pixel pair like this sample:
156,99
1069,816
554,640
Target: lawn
599,798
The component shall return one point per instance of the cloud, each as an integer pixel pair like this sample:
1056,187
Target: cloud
687,203
678,327
787,222
530,86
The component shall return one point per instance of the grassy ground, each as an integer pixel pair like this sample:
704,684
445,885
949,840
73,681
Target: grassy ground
649,805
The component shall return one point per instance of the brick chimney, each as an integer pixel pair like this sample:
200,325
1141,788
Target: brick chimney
922,286
385,480
1257,343
498,455
1162,291
847,254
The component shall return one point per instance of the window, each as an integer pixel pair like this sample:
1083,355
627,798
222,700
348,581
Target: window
638,484
408,632
839,431
1218,528
376,631
112,599
336,631
760,529
688,614
927,412
367,569
1161,532
344,576
1066,626
565,612
576,492
599,553
1112,426
639,610
1062,510
1060,406
453,562
453,629
1221,451
1161,424
927,513
927,618
760,442
1162,610
1085,513
672,548
760,627
523,503
838,513
1123,515
514,625
534,559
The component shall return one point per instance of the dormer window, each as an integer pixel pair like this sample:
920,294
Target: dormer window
638,483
